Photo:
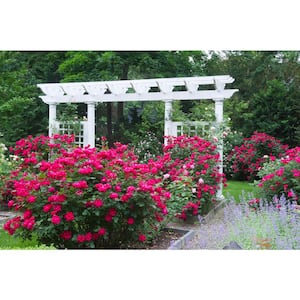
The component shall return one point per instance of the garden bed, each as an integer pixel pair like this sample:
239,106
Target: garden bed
174,237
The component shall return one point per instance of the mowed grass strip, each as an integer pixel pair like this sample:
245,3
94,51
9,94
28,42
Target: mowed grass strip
236,189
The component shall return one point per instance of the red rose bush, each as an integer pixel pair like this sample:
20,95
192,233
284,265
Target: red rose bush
281,176
244,161
87,198
191,173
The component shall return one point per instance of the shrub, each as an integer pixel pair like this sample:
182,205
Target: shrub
89,198
25,157
281,176
190,166
35,149
231,139
246,160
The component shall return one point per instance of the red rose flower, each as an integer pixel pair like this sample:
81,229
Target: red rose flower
31,199
69,216
55,220
112,212
80,238
66,235
108,218
101,231
114,196
10,203
88,236
27,214
142,238
130,221
98,203
47,208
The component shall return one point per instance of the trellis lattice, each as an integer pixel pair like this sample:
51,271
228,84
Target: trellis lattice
76,128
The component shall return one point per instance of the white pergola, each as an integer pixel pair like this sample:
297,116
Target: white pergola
158,89
135,90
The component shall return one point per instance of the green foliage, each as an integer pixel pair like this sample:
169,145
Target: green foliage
18,116
274,111
149,147
259,76
8,163
8,242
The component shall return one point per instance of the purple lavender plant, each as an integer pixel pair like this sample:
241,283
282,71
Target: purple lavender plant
273,225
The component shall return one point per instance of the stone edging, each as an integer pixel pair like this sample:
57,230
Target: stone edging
183,241
212,213
5,216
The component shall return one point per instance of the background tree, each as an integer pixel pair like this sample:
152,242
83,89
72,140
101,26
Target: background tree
255,74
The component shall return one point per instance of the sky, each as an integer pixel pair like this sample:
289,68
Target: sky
149,25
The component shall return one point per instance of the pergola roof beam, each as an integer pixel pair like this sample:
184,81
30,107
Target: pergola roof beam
108,91
155,96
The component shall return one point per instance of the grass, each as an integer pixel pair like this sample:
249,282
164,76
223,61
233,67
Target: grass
236,189
8,242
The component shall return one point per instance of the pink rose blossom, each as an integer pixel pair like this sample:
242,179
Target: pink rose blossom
55,220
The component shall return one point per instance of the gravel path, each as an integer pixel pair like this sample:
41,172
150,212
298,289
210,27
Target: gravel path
210,235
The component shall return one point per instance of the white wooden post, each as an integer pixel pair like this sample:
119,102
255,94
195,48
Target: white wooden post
219,120
91,124
168,119
52,118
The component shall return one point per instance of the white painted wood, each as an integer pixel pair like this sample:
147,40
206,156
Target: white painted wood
119,88
152,96
74,89
141,88
219,110
97,88
52,118
168,119
90,125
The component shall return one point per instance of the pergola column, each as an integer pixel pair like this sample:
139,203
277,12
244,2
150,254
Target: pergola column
91,124
219,120
168,119
52,118
219,110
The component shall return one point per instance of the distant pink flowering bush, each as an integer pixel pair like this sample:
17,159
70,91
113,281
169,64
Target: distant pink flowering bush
281,176
86,198
244,161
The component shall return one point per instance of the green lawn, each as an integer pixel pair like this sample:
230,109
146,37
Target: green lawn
11,242
237,188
